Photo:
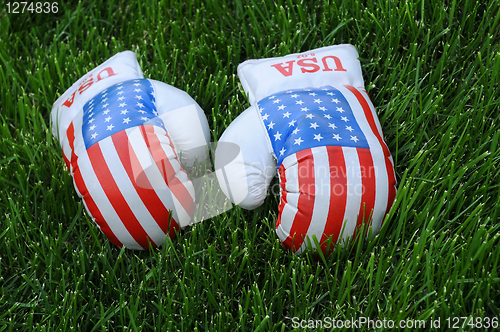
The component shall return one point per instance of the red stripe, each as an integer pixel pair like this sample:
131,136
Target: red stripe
116,198
162,161
387,154
338,196
392,186
283,200
305,206
70,133
148,196
369,187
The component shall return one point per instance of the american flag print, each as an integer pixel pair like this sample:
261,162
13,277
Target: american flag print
335,169
125,167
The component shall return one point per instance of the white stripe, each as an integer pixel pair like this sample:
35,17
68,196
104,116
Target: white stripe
292,188
129,193
380,171
321,196
354,191
102,202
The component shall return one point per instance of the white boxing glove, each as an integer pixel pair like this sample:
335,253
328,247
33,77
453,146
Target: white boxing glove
122,137
312,123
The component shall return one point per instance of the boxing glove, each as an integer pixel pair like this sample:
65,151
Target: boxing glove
311,123
126,141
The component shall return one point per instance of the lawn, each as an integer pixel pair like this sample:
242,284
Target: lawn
432,69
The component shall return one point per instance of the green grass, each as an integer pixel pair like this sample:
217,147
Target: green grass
432,69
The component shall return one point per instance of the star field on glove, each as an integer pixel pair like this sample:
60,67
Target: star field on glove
119,107
296,120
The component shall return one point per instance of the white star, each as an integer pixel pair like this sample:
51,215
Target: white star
277,136
265,116
318,137
349,128
327,116
105,105
91,120
107,119
276,101
318,101
332,125
298,141
138,97
313,94
340,109
136,84
92,128
272,97
143,118
282,151
91,101
337,137
286,115
104,100
110,127
155,113
291,123
271,125
91,115
296,131
281,108
314,125
124,112
119,93
335,100
330,93
140,105
354,138
121,87
322,108
94,135
294,95
299,102
106,111
344,119
136,80
289,91
304,109
126,120
309,116
123,104
121,98
141,111
152,93
137,90
261,109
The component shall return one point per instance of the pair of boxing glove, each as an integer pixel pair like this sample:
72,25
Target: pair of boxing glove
128,142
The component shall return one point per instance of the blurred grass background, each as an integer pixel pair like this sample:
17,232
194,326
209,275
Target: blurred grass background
432,69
